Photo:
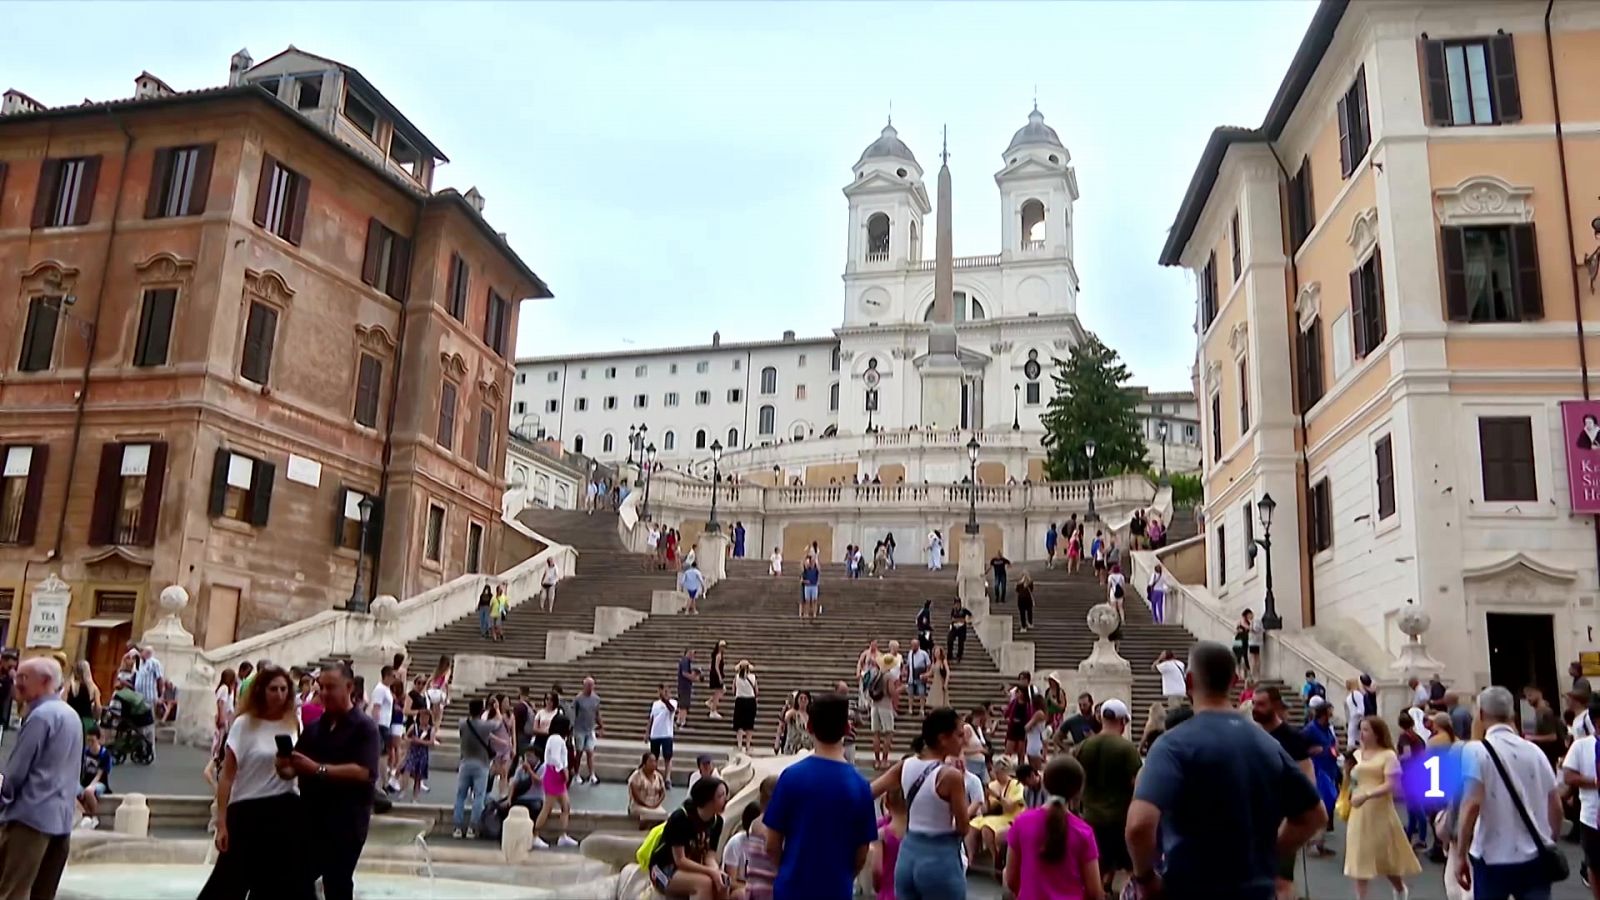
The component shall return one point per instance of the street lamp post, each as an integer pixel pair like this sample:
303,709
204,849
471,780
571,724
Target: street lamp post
649,474
1016,407
972,489
1088,451
633,441
777,477
358,593
1162,431
712,527
1270,620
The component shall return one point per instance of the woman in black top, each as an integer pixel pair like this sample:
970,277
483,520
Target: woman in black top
1025,601
685,862
925,626
716,676
83,695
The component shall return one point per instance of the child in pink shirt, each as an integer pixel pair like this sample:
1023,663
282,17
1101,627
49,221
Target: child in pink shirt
1052,852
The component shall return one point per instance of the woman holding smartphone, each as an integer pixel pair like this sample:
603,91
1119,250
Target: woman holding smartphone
257,807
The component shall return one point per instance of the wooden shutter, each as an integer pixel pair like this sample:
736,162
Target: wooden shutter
219,482
1436,80
369,377
1505,448
44,200
485,436
400,268
107,488
264,189
301,186
150,505
374,527
340,498
1361,130
447,414
1222,554
160,182
205,157
1503,67
490,315
261,492
32,493
1344,137
458,275
1525,256
259,331
155,327
1358,315
3,168
369,263
1452,244
1384,464
1324,515
1313,361
1379,317
86,187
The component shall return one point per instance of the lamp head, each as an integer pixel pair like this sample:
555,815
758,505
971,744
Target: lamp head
1266,506
716,451
972,449
650,452
366,506
1088,449
1162,429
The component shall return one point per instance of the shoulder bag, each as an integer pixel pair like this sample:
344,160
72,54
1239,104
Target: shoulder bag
1552,862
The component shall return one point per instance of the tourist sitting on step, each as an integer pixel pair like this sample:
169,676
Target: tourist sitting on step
647,792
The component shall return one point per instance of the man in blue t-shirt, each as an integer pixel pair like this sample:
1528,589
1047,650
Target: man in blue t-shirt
821,821
1218,798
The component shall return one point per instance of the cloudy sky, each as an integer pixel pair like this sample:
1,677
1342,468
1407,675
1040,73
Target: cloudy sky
674,168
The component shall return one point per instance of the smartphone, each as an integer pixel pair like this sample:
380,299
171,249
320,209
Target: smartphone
285,744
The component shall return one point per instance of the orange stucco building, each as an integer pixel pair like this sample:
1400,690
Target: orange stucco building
227,316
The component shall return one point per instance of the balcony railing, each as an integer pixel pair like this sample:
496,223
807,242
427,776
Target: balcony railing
673,489
877,256
962,262
1033,246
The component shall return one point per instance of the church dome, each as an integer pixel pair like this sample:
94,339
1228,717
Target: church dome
1036,132
887,146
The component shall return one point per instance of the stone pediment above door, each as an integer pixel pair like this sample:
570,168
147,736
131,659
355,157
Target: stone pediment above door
1518,579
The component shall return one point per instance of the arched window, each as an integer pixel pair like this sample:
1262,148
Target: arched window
877,237
968,309
871,400
1032,370
767,421
733,438
769,381
1033,227
577,444
833,397
834,360
916,243
700,439
799,432
669,441
606,443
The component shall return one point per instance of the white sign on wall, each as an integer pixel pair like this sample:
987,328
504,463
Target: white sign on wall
135,460
303,470
18,461
241,469
47,614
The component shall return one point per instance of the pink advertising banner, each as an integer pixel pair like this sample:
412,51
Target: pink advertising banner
1580,424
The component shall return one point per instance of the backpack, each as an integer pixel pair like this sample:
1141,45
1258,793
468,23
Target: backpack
648,848
1317,690
1116,591
875,685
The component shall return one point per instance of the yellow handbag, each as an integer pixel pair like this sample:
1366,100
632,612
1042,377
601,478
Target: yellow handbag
1341,806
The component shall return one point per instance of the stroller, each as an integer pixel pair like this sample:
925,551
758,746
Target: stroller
132,724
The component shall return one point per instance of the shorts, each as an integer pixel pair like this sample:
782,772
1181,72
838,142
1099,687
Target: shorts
693,593
1286,867
397,730
99,790
1110,838
882,718
917,687
387,740
583,741
555,782
661,876
1099,564
1016,732
661,748
1589,839
435,697
809,593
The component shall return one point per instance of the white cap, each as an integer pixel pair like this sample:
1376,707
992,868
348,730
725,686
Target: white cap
1115,709
1318,702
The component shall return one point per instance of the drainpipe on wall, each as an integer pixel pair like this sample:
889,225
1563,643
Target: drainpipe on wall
81,403
388,427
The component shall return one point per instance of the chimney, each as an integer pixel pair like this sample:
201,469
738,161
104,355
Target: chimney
716,339
15,101
788,337
147,85
474,199
237,66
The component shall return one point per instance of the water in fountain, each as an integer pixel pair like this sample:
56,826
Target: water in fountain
427,855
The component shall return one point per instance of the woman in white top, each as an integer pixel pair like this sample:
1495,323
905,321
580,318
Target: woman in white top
256,806
1355,708
226,696
745,692
775,562
935,551
938,815
555,785
1174,688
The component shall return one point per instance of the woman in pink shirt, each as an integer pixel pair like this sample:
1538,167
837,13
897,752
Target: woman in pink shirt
883,855
1052,852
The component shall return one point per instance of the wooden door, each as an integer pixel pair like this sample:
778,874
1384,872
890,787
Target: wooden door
104,652
222,616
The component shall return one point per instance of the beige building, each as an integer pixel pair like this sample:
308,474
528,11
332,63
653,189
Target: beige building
1391,308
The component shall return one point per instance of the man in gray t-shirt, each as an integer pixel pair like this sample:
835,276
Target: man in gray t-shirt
586,725
472,774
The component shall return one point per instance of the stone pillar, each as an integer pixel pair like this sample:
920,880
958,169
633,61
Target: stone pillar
970,583
133,816
1105,673
667,602
516,836
1395,693
184,667
711,555
372,655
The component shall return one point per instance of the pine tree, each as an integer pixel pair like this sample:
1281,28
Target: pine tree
1091,402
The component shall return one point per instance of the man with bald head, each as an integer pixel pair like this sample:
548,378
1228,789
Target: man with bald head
39,785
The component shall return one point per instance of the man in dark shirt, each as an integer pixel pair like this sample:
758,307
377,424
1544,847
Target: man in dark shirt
688,674
1269,712
1079,727
336,762
998,565
1218,802
956,642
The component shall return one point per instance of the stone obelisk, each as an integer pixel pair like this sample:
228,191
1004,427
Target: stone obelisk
941,368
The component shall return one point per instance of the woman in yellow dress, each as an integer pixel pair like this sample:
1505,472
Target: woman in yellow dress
1004,793
1375,843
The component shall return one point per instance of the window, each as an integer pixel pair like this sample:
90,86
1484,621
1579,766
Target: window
39,334
1472,82
361,115
497,325
447,415
833,397
369,386
583,374
799,392
1222,554
735,395
307,92
1244,396
869,400
733,438
702,367
738,365
769,381
1249,535
611,371
670,399
1341,339
701,398
669,441
155,327
1310,360
700,439
474,547
1355,132
405,154
1319,517
260,331
1383,466
127,499
21,488
281,197
518,408
1491,274
801,363
551,406
610,402
581,404
766,421
1367,324
456,294
640,371
833,360
1208,292
552,376
387,264
1302,205
1032,393
640,401
606,443
672,368
433,536
486,419
180,178
1216,427
241,488
347,529
966,308
1237,249
66,192
577,444
1505,448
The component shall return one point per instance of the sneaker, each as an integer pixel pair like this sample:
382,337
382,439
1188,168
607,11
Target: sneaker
539,844
594,779
715,715
425,787
472,835
566,841
456,834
